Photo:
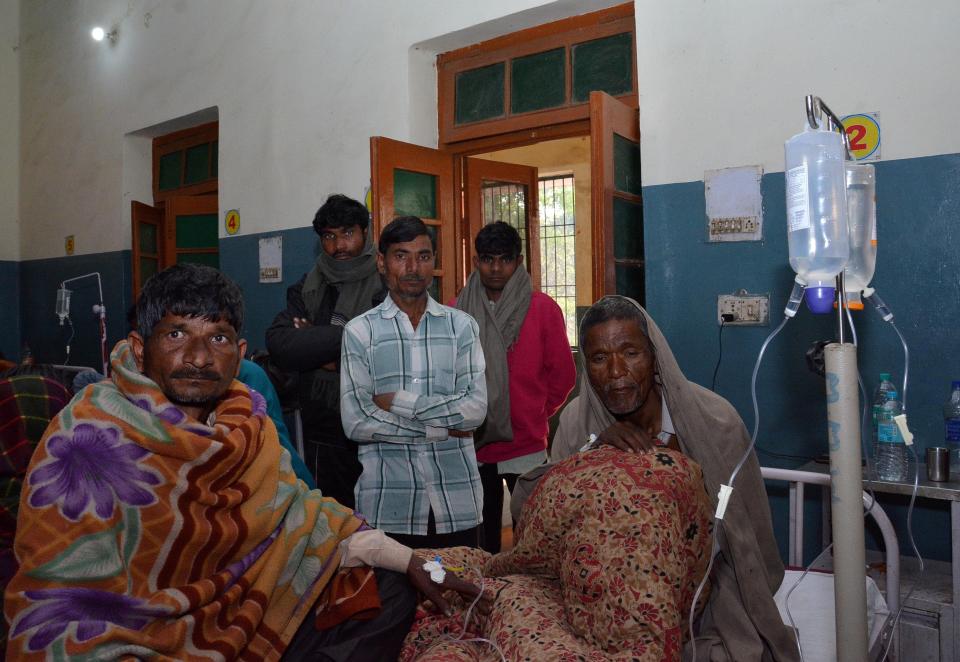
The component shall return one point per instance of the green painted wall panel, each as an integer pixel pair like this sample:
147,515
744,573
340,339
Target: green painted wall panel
209,259
148,238
627,230
603,64
479,94
626,165
537,81
169,171
197,231
414,194
630,282
197,164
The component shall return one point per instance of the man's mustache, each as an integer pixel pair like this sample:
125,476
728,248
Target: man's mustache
411,279
188,373
613,386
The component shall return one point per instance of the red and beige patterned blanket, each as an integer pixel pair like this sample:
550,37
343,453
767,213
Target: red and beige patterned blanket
609,551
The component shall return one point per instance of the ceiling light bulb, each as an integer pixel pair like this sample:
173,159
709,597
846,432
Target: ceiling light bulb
97,33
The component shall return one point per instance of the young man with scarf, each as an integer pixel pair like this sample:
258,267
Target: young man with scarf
161,517
530,370
305,338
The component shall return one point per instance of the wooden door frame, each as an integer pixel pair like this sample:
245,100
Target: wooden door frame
605,111
382,194
476,171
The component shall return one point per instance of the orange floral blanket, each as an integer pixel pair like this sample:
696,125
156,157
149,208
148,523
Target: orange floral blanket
144,533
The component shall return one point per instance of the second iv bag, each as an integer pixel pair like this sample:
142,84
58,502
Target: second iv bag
862,221
816,212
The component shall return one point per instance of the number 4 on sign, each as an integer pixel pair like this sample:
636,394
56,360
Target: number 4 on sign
863,131
232,221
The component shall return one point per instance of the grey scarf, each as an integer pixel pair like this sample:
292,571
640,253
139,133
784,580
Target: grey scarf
356,279
357,282
740,621
499,328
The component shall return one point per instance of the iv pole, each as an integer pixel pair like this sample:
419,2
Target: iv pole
63,312
843,430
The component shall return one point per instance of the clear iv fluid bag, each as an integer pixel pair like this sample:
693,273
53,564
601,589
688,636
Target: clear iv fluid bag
862,222
816,206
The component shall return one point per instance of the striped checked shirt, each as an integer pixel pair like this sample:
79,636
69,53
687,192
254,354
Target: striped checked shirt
410,462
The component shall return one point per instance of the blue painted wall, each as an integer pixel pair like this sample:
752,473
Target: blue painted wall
10,309
39,280
918,274
239,259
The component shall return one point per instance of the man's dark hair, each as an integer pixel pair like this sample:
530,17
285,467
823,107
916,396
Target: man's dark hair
401,230
610,308
498,239
189,290
339,211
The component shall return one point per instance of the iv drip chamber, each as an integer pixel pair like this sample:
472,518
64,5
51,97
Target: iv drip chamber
817,233
861,187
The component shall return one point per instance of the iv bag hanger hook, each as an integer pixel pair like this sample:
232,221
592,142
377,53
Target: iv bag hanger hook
816,108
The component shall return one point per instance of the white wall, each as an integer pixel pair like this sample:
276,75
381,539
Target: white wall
9,129
299,87
722,83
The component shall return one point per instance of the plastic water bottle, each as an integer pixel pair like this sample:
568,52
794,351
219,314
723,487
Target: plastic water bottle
880,399
817,235
892,462
951,419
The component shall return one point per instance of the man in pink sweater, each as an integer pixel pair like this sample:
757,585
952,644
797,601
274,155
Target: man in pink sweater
530,369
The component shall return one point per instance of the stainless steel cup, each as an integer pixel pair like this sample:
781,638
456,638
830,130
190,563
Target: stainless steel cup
938,464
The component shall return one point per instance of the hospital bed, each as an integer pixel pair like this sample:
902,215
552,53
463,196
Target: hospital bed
812,602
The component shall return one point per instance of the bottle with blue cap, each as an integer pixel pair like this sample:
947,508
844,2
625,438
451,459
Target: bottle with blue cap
817,233
892,460
951,420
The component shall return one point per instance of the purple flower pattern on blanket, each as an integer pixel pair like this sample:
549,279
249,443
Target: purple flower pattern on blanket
91,610
91,463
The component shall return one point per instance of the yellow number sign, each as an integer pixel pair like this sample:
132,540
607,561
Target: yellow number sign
232,221
863,130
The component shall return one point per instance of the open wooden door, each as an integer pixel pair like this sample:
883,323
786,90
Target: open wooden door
148,243
505,192
618,262
191,230
410,180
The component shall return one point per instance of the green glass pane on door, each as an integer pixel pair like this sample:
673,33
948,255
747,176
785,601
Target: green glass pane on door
626,165
148,238
537,81
169,171
627,230
197,231
209,259
479,93
148,267
605,65
214,157
197,168
630,282
414,194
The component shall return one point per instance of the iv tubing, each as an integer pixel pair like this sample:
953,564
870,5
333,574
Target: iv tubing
790,311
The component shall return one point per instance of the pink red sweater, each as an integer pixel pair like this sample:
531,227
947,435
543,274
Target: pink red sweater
542,375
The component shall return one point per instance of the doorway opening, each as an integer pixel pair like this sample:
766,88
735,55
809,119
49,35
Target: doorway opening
563,217
180,223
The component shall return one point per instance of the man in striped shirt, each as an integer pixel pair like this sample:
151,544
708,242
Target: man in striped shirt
412,391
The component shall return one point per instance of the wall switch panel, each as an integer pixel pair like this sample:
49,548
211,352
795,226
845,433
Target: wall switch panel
747,309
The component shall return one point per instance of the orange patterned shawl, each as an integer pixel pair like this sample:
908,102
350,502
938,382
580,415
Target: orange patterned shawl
143,532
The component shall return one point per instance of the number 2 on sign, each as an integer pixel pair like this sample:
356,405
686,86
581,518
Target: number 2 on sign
856,133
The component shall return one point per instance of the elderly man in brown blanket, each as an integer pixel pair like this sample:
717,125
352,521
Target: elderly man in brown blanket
614,535
634,397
